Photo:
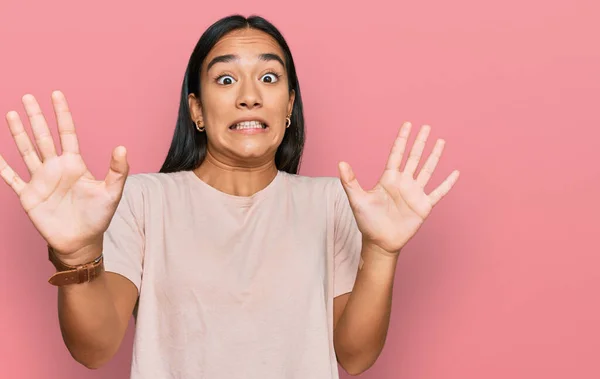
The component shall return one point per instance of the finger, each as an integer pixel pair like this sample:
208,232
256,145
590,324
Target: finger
11,177
437,194
349,181
66,126
431,163
395,158
417,150
42,135
117,173
23,142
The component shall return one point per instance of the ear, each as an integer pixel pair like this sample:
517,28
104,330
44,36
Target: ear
195,108
291,102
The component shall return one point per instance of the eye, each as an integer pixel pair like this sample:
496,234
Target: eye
225,79
270,78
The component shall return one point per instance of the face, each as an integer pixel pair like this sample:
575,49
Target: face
244,98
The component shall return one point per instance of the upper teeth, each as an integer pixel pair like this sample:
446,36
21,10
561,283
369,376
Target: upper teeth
249,125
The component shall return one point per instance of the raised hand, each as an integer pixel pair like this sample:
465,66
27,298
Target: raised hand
390,214
67,205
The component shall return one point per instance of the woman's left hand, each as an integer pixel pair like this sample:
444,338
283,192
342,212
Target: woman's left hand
390,214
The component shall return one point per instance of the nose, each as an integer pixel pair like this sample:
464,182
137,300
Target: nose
249,96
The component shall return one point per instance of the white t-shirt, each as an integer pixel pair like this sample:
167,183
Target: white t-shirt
234,287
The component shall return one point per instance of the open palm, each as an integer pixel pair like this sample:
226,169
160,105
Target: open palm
66,204
392,212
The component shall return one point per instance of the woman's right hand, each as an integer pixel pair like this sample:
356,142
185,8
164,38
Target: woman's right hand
67,205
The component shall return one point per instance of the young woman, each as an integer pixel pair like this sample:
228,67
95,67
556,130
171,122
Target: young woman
233,265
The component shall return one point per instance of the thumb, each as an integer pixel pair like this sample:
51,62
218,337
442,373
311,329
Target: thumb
349,181
117,173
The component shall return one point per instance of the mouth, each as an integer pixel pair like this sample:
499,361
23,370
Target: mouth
249,125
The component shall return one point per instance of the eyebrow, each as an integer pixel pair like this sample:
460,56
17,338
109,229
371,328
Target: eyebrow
232,57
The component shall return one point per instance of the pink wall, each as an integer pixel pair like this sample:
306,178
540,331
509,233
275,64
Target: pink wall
501,282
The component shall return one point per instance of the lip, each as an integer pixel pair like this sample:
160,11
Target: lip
259,119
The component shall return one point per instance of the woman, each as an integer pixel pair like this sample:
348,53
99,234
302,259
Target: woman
232,264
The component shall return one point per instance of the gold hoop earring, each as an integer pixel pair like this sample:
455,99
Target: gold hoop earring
288,122
199,127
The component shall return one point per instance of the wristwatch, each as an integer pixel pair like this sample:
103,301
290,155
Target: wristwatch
67,274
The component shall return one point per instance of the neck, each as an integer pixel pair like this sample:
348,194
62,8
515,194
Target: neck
235,180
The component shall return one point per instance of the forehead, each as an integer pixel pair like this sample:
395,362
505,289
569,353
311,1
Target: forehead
245,43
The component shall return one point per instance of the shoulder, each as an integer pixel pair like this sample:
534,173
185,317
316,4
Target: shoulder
321,185
152,183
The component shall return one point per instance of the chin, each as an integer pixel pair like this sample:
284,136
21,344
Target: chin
255,148
254,152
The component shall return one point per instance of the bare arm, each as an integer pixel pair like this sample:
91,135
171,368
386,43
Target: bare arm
362,317
388,216
72,210
94,316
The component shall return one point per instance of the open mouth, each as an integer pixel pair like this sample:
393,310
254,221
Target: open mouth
248,125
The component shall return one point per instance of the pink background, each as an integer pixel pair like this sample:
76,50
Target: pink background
501,282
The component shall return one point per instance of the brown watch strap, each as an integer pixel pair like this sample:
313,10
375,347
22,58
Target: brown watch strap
67,274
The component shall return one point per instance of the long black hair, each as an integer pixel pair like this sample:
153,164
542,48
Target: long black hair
188,147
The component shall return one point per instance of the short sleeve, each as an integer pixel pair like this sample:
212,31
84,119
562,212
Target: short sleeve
347,243
123,246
